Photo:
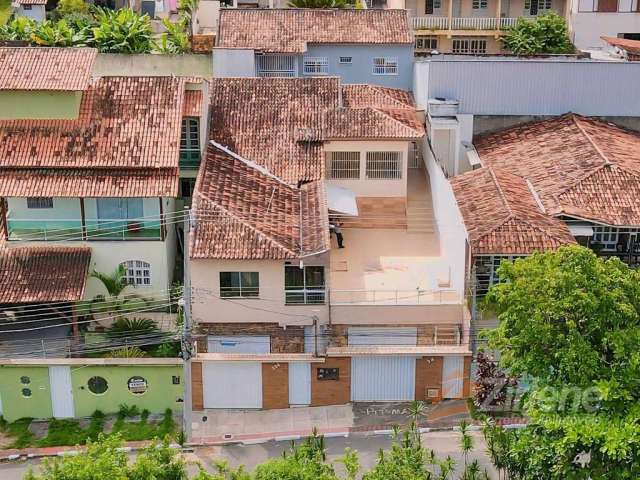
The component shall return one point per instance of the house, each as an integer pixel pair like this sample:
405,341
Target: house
541,185
623,48
95,164
589,20
32,9
283,316
471,26
359,46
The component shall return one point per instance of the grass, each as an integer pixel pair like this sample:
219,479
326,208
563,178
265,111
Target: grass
69,432
5,11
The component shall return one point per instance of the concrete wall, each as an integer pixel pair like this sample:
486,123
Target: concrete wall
491,123
206,16
372,187
234,62
588,27
160,395
21,104
361,68
396,314
207,307
541,86
184,65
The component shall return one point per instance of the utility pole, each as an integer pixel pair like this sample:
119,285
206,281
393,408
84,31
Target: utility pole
187,405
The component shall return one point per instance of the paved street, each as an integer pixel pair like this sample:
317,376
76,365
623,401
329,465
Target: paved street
443,443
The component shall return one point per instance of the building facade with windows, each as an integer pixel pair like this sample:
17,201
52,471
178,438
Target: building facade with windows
359,46
95,162
284,316
589,20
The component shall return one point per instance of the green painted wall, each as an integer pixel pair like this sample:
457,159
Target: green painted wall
39,104
160,395
14,404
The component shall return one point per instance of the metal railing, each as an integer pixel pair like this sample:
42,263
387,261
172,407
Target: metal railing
276,66
305,296
393,297
96,229
462,23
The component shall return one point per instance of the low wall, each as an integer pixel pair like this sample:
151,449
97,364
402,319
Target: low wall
153,65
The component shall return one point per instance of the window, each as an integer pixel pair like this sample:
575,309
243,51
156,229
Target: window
175,380
469,45
39,202
97,385
25,380
533,7
486,267
119,208
186,187
430,5
426,43
385,66
345,60
136,273
343,165
239,284
328,373
26,392
304,285
26,7
384,165
606,236
276,66
137,385
479,4
190,143
316,65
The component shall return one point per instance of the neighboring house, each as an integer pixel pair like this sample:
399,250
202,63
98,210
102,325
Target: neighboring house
591,19
77,387
623,48
470,26
545,184
33,9
282,315
359,46
96,162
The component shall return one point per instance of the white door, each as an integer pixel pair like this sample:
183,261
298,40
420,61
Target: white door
239,344
232,384
299,383
452,377
379,379
61,391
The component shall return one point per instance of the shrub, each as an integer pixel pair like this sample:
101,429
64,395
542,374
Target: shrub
545,34
67,7
122,31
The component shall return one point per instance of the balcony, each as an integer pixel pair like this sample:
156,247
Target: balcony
34,230
68,230
462,23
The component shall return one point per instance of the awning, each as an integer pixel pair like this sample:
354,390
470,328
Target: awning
581,230
342,200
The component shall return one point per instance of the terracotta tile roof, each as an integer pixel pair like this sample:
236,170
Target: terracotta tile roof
32,2
578,166
203,43
502,215
39,68
630,46
43,273
290,30
245,212
192,105
88,183
280,123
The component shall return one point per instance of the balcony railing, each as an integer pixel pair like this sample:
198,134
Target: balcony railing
462,23
393,297
305,296
103,229
190,159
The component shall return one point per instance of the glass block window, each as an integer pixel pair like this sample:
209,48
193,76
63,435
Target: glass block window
137,273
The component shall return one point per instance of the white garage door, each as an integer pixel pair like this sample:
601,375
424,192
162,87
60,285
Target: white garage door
378,379
239,344
232,384
452,377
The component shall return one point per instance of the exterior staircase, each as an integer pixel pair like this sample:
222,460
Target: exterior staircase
420,216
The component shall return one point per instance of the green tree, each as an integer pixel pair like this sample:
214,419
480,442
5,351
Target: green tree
546,33
19,28
122,31
117,301
176,39
68,7
571,321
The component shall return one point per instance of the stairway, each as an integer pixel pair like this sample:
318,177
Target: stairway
420,216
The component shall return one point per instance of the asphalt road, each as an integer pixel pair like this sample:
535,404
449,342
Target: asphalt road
443,443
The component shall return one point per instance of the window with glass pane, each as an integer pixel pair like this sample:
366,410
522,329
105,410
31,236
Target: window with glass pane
119,208
384,165
316,65
304,285
239,284
385,66
39,202
190,135
136,273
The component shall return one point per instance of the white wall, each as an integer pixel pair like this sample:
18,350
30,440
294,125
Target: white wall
370,187
37,12
451,230
206,17
421,84
233,62
63,209
588,27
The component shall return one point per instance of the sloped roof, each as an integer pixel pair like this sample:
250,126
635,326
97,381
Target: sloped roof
502,215
578,166
43,273
245,212
631,46
281,123
290,30
40,68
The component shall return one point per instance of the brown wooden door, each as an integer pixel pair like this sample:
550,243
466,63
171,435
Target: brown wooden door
607,5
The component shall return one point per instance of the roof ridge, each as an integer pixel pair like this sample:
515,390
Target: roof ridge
228,213
382,112
591,140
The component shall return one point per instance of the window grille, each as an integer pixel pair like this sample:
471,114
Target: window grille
385,66
276,66
39,202
469,45
316,65
345,60
384,165
136,273
343,165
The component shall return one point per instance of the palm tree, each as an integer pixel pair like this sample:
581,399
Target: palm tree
116,302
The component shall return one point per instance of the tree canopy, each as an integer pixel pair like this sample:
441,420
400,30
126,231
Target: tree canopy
546,33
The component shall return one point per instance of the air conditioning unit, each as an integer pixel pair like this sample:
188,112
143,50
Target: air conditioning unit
441,107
